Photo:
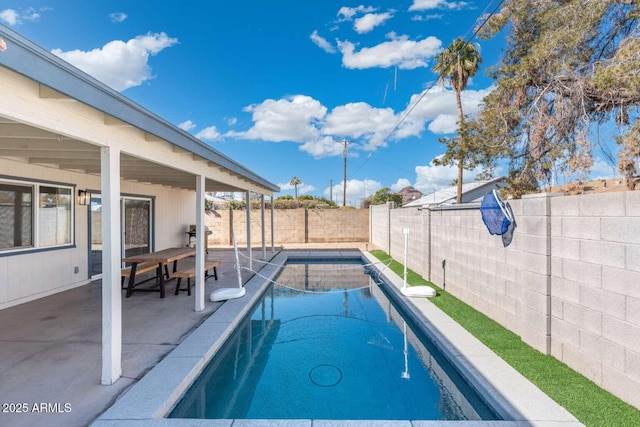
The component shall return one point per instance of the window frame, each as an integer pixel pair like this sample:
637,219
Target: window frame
35,213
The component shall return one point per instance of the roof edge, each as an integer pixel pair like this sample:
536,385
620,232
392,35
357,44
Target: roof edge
30,60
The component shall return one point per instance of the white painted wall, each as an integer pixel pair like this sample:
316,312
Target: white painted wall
25,277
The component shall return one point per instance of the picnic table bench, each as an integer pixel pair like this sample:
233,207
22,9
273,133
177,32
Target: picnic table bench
153,260
188,270
143,267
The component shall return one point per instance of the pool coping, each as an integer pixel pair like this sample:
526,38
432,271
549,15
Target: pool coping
148,401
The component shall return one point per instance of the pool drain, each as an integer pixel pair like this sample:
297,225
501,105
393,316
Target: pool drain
325,375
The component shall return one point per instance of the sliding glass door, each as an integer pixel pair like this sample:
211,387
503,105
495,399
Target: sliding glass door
136,229
136,233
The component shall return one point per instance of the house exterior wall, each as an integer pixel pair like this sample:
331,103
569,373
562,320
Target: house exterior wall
568,284
20,282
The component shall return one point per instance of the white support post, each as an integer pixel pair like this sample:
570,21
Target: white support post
264,244
272,222
248,203
200,245
111,262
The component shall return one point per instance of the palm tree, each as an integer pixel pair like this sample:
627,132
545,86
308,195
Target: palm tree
457,64
295,181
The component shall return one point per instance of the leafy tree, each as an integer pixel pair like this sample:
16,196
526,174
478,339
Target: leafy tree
385,195
457,64
569,66
295,181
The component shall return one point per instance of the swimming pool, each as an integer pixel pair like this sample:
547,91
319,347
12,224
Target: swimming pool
152,398
328,342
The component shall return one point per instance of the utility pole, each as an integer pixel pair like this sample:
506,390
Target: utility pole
344,182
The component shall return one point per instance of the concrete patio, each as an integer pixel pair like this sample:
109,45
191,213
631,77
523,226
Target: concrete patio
50,356
50,349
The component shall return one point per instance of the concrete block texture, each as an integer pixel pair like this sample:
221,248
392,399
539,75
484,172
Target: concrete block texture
589,366
603,253
621,281
581,227
623,385
632,203
568,284
621,229
611,204
632,257
582,272
623,333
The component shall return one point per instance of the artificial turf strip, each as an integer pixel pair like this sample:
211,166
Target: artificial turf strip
589,403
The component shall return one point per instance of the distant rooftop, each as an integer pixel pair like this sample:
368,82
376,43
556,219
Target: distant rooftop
471,191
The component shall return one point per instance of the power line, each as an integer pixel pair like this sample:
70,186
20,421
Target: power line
433,83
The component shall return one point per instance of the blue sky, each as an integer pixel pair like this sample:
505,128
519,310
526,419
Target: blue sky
276,85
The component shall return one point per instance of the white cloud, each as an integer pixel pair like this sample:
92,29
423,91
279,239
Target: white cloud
10,17
117,17
321,42
13,17
305,120
399,51
322,147
400,184
360,120
347,13
603,170
232,121
293,119
420,18
302,188
356,191
30,14
187,125
118,64
209,134
439,107
431,177
438,4
369,21
444,123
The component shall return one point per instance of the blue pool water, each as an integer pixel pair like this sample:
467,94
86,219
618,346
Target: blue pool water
327,343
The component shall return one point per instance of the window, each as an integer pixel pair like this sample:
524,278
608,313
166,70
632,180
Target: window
34,215
16,216
54,216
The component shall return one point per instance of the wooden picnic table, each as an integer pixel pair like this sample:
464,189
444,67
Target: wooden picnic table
162,258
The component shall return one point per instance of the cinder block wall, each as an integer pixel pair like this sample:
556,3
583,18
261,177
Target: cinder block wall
568,284
595,287
379,221
290,226
337,225
418,246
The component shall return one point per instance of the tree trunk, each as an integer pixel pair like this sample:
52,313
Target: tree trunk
461,137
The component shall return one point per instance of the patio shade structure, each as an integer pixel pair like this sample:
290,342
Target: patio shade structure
55,117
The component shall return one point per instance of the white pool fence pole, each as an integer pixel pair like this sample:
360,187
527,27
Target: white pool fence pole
235,250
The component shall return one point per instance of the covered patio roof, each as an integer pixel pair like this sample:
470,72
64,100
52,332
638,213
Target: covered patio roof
54,115
35,138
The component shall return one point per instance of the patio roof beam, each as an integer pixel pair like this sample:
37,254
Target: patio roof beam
18,131
63,144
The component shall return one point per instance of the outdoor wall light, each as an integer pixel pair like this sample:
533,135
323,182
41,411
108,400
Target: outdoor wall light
83,197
